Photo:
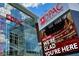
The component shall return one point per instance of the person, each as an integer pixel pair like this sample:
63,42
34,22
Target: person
68,21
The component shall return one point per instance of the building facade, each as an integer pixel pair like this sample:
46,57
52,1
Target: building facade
19,36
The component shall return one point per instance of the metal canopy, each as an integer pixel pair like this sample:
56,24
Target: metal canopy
24,10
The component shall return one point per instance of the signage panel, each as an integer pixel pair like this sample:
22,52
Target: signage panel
60,36
52,14
12,19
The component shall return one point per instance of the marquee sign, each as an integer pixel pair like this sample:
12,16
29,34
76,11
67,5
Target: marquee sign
59,48
60,37
51,13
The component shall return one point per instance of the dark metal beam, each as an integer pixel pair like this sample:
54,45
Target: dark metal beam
24,10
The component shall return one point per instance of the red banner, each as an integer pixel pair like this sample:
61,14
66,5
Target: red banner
69,45
12,19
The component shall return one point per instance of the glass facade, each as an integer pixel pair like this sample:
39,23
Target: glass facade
17,42
19,39
2,35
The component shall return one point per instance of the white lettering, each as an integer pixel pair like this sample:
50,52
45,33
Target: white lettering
75,46
49,44
62,49
67,48
57,51
47,53
71,47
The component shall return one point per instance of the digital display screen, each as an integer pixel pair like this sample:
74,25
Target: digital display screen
58,32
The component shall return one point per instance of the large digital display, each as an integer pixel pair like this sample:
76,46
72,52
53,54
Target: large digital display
60,37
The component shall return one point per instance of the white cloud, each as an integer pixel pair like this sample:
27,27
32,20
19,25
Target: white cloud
31,4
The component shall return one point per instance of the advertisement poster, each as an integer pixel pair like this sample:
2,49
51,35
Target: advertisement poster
60,37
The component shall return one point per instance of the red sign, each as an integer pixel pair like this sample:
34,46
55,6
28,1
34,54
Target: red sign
12,19
51,13
43,20
69,45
